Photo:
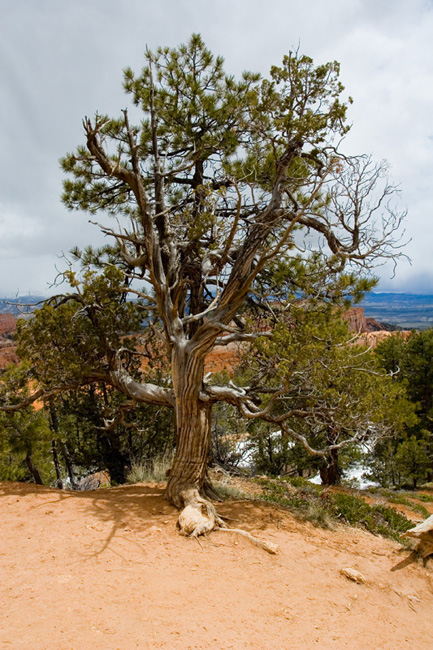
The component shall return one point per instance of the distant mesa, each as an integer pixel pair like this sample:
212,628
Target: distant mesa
406,310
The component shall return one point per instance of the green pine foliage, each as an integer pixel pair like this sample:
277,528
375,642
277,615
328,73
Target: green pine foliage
335,389
408,458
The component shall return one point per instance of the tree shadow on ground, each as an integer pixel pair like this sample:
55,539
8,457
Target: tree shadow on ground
138,507
127,508
410,559
132,511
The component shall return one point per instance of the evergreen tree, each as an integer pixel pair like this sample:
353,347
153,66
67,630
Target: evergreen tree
411,362
331,392
218,180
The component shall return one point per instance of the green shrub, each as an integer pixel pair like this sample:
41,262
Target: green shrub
324,508
427,498
403,500
378,519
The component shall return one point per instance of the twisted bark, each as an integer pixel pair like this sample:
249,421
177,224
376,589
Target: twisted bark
193,427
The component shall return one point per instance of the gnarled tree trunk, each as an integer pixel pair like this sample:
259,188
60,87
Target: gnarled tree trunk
188,486
330,473
193,420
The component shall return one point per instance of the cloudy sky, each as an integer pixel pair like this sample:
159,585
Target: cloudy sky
63,59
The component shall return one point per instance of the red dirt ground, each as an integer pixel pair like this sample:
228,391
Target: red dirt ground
106,570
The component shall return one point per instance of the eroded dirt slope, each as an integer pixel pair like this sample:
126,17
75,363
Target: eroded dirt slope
107,570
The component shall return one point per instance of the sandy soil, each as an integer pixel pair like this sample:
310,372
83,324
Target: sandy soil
106,570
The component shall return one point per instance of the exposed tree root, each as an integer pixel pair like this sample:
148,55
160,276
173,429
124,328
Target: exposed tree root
270,547
199,517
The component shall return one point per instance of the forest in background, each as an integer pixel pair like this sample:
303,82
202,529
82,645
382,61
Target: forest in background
64,440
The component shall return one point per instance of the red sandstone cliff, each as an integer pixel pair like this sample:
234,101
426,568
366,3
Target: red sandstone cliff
358,323
8,325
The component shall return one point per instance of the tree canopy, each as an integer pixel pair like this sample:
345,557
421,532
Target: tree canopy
225,196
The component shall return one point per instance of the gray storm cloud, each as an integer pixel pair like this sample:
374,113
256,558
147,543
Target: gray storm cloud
61,61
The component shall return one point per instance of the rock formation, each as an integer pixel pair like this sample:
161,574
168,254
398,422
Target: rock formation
8,327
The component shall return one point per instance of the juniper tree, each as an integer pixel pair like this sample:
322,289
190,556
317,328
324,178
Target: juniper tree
219,178
410,360
25,438
331,391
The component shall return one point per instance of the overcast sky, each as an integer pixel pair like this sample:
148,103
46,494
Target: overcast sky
63,59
